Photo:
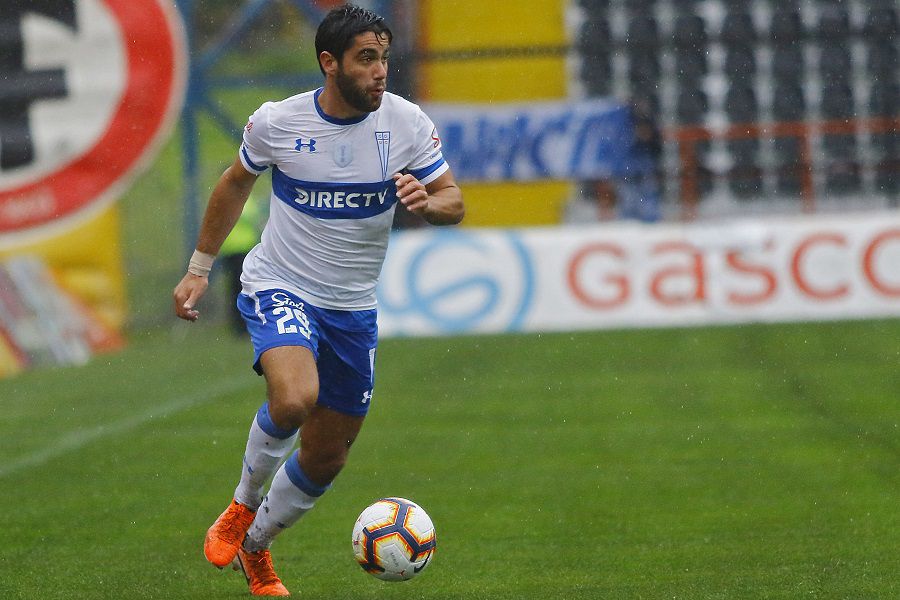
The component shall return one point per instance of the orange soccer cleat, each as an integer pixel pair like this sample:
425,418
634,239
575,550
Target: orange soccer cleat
227,534
260,573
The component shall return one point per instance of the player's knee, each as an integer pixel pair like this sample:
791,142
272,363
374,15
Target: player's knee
290,404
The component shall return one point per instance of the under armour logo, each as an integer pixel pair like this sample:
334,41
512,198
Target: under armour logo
300,145
366,397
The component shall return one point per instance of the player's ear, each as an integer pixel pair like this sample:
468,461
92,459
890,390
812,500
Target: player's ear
328,62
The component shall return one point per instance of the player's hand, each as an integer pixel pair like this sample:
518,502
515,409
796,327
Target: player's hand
411,192
187,293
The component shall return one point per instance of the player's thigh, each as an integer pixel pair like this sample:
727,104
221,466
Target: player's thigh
277,318
346,361
292,382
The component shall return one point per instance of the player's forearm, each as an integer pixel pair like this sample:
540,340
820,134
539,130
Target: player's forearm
223,211
445,207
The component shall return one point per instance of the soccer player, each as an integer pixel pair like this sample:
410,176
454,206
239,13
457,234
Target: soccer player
342,156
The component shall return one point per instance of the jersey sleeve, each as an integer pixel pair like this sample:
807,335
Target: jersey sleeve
256,148
427,162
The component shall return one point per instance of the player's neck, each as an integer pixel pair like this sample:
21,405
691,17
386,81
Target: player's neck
333,104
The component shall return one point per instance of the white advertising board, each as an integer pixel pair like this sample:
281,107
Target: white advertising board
449,281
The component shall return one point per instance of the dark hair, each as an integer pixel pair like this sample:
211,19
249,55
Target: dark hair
337,30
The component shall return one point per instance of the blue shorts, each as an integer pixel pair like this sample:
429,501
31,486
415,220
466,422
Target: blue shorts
343,343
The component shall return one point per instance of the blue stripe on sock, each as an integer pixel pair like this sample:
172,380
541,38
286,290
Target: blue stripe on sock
266,424
299,478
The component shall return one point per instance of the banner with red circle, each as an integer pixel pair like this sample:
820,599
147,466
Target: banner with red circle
100,84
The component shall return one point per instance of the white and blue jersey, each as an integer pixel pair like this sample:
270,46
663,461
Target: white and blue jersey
333,196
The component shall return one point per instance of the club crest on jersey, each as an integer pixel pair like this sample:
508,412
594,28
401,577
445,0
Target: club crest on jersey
383,139
309,144
343,154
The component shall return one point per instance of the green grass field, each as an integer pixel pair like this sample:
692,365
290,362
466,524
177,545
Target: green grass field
741,462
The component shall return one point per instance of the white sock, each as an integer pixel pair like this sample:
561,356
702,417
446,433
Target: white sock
262,457
290,497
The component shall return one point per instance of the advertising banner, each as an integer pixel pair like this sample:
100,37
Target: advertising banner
88,90
442,281
535,140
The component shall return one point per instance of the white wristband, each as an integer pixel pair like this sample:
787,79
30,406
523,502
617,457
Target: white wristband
201,263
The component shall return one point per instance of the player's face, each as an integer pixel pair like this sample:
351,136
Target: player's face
362,73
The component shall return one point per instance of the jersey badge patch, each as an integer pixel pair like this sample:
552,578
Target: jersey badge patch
343,154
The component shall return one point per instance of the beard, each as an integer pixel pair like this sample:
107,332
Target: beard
355,95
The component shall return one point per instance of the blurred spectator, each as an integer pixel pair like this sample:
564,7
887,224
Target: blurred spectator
239,242
633,194
638,190
595,201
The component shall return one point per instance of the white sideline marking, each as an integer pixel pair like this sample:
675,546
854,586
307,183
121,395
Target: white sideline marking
81,438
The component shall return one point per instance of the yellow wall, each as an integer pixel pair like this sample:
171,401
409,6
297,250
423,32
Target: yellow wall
87,260
466,25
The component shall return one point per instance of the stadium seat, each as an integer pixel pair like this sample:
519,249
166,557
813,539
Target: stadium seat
651,97
834,23
882,23
685,6
883,60
597,75
884,99
746,180
786,26
786,149
690,65
839,145
787,63
887,144
887,177
595,37
837,101
740,63
741,104
745,177
643,66
597,88
691,106
788,168
842,177
690,32
744,150
835,63
788,101
642,31
788,179
738,29
594,6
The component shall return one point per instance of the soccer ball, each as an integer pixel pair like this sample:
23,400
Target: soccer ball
393,539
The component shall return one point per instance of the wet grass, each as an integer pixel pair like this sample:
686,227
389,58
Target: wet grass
731,462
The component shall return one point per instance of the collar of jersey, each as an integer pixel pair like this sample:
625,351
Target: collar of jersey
335,120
